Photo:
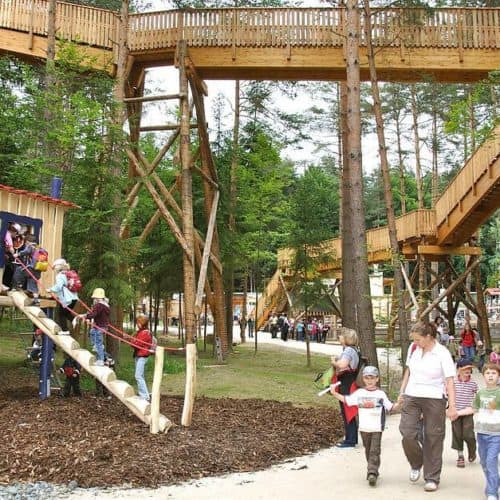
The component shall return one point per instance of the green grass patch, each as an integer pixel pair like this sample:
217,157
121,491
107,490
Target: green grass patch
273,373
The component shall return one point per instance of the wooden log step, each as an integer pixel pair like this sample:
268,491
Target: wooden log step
141,405
68,343
84,357
35,311
165,423
51,325
102,373
121,389
19,299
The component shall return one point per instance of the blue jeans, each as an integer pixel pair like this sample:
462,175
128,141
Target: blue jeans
96,340
469,352
142,388
489,448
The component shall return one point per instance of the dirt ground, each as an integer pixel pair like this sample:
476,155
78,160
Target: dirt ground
97,442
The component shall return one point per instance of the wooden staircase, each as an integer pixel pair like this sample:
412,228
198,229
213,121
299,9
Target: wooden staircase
268,301
472,196
122,390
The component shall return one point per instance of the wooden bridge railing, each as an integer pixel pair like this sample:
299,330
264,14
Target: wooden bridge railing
468,176
77,23
412,225
459,28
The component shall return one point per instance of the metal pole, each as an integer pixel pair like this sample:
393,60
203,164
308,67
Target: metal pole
47,344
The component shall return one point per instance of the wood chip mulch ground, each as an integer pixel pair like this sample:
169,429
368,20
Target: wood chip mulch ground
97,442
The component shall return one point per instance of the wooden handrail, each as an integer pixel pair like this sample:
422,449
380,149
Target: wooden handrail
461,28
466,178
412,225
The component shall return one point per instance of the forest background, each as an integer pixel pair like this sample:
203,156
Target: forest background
268,200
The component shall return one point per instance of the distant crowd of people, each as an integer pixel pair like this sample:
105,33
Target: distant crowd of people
296,329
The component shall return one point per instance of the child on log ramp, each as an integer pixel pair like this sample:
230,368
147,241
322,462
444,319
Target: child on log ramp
26,276
71,369
100,389
67,299
142,345
99,314
372,403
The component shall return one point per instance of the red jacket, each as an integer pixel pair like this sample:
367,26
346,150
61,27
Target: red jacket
142,343
468,338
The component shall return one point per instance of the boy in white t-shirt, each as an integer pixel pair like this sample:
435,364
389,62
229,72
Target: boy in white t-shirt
372,403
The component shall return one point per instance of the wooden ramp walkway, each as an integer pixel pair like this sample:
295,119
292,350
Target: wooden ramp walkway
469,200
122,390
450,45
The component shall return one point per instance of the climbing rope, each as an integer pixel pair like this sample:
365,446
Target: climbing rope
135,343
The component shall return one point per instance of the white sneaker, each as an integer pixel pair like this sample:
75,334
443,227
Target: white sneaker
64,332
491,497
414,475
430,486
99,362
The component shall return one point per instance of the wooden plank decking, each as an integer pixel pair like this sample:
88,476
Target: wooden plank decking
455,44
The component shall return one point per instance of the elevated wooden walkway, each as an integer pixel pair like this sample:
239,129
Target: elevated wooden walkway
451,45
470,198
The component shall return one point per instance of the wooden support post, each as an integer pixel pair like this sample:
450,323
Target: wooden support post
449,290
482,313
190,388
208,168
161,206
156,389
206,254
410,288
287,293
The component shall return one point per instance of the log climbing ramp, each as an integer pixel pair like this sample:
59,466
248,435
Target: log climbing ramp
448,45
122,390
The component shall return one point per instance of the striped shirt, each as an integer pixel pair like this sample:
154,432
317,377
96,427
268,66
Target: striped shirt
465,391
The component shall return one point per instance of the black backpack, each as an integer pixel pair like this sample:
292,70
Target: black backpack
363,361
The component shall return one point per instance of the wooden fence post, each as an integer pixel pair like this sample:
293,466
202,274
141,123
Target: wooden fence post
155,391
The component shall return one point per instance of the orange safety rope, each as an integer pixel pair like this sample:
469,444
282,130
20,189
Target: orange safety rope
134,344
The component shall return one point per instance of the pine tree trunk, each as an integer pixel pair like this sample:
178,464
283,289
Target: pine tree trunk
347,296
233,191
435,176
244,308
418,165
340,145
113,345
397,303
422,278
357,263
188,232
402,174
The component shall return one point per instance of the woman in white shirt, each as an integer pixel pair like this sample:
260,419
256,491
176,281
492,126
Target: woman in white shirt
426,383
